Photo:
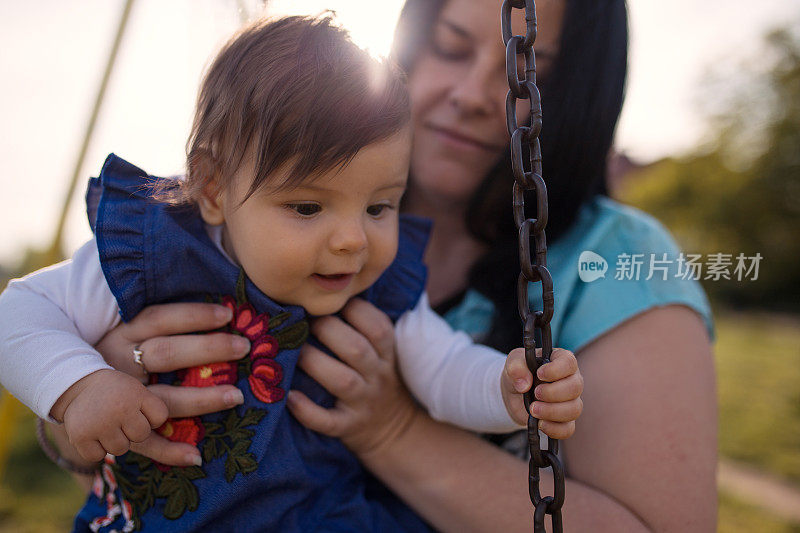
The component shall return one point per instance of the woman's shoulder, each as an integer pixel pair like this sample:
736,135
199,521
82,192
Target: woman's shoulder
614,263
609,225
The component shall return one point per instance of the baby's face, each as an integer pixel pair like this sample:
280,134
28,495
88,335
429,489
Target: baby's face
330,238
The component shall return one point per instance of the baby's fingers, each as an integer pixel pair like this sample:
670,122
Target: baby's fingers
557,430
557,412
154,409
136,428
562,364
326,421
517,372
91,451
115,442
562,390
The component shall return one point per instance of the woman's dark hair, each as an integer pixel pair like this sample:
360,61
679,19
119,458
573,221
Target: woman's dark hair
581,101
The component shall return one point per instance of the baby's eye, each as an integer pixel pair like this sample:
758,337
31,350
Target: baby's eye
305,210
377,209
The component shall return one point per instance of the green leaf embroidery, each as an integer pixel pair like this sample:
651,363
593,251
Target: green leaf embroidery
230,468
246,463
293,336
231,421
210,450
193,472
168,486
240,448
277,320
192,499
252,417
241,291
175,506
242,434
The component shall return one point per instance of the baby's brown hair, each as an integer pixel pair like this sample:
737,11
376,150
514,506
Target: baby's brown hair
293,93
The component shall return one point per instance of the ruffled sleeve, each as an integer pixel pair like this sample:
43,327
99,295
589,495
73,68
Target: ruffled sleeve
117,204
400,287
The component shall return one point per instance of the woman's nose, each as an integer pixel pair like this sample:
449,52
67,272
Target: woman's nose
474,93
348,236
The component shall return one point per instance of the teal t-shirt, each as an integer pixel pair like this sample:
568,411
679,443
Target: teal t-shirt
600,270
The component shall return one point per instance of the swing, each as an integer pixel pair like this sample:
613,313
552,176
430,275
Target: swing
534,322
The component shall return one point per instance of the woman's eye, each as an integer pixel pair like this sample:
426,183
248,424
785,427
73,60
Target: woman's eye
445,49
305,210
377,209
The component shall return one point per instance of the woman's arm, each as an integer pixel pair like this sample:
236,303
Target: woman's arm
648,434
642,458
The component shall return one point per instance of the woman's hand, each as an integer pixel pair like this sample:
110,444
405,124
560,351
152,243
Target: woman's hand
373,406
160,332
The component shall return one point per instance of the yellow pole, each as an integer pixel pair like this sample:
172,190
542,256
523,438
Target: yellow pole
10,406
10,409
55,254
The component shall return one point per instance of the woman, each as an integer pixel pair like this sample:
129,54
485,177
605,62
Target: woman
642,459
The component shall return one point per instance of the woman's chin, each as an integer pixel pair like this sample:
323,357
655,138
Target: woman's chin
446,183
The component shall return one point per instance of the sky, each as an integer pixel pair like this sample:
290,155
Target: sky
52,53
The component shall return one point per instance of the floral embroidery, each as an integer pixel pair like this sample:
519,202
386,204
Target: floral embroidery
208,375
104,488
230,438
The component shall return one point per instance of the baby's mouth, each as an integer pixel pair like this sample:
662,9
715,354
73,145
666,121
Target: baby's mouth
333,282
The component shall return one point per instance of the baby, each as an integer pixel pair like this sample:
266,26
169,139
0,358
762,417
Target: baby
297,162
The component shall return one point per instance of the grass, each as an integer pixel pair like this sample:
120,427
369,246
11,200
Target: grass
738,516
758,369
758,376
36,496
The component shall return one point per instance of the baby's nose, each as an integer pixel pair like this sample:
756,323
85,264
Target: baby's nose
348,237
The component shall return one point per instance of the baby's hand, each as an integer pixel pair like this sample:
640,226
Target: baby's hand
558,401
106,411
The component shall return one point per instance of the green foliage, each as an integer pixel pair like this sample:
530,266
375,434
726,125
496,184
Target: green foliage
35,495
734,200
737,516
758,372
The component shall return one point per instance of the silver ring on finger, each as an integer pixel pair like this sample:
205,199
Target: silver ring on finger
137,358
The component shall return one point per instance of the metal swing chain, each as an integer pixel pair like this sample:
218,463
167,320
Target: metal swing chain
535,271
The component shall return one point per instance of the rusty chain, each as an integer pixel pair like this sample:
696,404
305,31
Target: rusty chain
531,272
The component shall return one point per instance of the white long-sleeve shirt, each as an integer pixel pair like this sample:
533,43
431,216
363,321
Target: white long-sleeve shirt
49,321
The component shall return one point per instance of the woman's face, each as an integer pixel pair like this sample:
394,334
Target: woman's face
458,88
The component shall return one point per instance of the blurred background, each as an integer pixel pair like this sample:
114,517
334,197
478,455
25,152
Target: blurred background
709,143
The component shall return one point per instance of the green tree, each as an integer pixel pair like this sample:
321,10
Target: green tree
742,192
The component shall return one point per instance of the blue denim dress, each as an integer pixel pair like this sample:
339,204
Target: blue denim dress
262,470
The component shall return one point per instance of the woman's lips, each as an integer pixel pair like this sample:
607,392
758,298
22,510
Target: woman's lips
333,282
462,142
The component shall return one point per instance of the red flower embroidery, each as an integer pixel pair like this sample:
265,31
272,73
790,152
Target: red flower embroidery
267,374
190,430
209,375
245,319
265,347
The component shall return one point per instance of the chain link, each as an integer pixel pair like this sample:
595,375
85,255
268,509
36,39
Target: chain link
533,267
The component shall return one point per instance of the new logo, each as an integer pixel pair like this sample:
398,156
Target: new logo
591,266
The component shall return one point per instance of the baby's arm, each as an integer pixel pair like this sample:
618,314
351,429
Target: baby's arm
459,381
48,321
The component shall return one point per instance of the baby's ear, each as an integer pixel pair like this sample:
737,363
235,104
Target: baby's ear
210,198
